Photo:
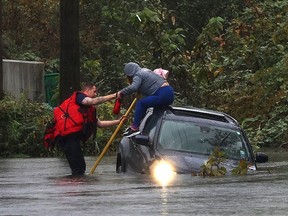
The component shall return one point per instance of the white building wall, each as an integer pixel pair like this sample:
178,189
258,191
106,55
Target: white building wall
24,76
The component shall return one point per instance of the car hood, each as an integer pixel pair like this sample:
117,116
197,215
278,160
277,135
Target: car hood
188,163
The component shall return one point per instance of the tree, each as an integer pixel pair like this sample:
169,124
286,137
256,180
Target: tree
1,67
69,48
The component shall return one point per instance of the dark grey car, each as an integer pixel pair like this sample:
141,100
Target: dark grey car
185,137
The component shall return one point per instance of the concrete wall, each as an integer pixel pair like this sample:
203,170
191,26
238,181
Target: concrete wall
24,76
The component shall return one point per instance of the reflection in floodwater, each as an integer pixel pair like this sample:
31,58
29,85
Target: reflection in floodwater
164,202
41,187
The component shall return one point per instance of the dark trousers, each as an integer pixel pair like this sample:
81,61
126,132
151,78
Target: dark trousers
70,145
162,97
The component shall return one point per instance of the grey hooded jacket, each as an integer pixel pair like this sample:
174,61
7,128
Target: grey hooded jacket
144,80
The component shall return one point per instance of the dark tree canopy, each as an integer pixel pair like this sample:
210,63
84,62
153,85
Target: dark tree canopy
1,55
227,55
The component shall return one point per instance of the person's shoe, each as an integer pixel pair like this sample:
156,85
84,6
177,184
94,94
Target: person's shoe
126,131
129,132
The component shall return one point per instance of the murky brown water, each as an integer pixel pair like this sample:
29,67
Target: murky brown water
43,187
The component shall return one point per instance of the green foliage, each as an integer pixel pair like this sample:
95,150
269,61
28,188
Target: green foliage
22,126
52,66
23,123
225,55
31,27
271,130
91,70
29,56
213,165
242,69
241,169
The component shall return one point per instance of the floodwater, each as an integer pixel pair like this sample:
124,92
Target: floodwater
44,187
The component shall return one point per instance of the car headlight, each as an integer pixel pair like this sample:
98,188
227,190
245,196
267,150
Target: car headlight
162,172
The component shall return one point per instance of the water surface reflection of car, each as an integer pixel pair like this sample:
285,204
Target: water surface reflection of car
185,137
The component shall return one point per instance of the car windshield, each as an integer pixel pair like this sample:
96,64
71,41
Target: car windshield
201,139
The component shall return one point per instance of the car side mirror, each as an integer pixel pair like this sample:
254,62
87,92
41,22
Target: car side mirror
261,157
142,140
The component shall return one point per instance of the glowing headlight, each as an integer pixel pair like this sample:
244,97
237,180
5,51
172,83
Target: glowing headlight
162,172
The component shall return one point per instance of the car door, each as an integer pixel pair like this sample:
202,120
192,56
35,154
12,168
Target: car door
141,154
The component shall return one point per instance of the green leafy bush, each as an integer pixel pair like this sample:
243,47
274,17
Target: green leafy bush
22,126
23,123
242,67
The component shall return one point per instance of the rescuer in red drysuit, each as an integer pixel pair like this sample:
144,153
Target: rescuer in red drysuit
75,121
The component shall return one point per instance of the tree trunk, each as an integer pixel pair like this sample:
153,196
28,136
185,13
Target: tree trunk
69,48
1,55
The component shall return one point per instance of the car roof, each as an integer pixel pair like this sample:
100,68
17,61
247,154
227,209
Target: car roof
203,114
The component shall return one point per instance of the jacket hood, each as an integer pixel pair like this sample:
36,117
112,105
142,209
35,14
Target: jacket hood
131,69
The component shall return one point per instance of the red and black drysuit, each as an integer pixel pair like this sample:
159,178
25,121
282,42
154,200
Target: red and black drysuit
74,122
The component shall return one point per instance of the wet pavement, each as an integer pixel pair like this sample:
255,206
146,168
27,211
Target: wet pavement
43,186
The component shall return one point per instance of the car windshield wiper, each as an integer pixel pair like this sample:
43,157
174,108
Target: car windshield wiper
223,140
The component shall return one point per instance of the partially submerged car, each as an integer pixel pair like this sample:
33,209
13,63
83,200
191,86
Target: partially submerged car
185,138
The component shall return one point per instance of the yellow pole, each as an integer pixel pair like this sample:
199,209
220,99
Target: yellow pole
112,137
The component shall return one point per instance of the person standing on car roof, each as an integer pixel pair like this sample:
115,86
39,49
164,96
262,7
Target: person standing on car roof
155,89
76,120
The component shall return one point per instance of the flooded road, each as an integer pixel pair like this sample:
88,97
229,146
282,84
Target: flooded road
44,187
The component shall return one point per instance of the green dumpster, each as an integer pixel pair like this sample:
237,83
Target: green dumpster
51,81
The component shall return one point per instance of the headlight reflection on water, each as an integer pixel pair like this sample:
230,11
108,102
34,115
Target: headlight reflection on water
162,172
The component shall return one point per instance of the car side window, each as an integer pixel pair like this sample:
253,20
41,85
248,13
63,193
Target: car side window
150,126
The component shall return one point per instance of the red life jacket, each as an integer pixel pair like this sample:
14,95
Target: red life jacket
69,117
